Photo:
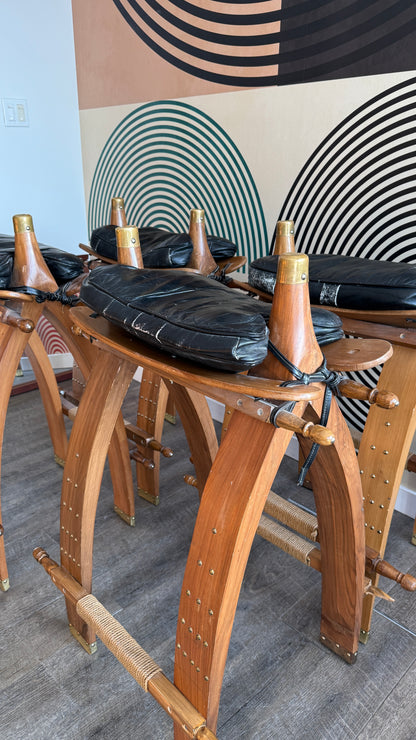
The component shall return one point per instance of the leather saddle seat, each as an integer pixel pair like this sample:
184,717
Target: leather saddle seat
189,315
347,282
160,248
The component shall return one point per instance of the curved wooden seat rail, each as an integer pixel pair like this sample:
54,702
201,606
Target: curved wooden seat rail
235,488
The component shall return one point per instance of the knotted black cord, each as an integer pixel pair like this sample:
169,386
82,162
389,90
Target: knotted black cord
41,295
321,375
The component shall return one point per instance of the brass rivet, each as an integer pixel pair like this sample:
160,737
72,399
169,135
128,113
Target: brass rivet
382,505
371,501
199,563
323,638
373,447
337,645
210,612
379,531
372,526
372,475
205,643
211,572
387,482
206,678
184,654
190,629
388,424
214,531
361,472
192,662
183,621
385,452
198,669
365,524
198,601
197,637
68,480
188,593
178,645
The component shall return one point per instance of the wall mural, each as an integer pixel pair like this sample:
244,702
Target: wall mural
167,157
356,194
277,42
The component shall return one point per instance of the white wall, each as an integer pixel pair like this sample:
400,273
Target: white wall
40,166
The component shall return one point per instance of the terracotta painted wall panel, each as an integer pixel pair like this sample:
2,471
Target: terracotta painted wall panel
115,67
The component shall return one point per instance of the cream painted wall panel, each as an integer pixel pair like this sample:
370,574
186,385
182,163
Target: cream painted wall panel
275,129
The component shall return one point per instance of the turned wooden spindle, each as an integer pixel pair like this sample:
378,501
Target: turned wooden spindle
141,437
145,461
294,338
284,238
352,389
118,213
29,269
375,564
12,318
315,432
128,246
201,258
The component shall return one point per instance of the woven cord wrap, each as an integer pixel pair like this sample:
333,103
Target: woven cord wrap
41,296
127,651
287,541
322,375
289,514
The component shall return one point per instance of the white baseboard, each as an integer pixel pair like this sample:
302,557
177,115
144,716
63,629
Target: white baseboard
61,360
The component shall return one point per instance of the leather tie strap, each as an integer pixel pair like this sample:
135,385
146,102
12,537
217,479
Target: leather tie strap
321,375
41,295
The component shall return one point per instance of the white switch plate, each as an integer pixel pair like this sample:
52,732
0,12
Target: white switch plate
15,112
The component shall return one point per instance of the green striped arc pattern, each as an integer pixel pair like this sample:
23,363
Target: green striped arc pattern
167,157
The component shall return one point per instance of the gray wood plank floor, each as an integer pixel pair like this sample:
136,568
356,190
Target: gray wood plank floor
279,681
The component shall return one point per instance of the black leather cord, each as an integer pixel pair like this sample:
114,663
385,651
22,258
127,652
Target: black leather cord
41,295
321,375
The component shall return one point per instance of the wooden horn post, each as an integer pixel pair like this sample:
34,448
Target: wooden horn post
338,494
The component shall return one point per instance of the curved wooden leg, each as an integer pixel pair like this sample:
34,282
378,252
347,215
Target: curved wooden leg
199,429
90,437
12,344
227,520
338,496
49,392
85,354
382,457
151,408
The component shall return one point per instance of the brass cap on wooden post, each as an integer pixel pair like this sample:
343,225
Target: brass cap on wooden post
284,241
118,213
128,246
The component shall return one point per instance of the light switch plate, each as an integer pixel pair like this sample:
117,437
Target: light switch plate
15,112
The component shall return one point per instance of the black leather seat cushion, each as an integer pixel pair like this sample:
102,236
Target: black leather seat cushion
6,268
160,248
181,313
63,266
348,282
